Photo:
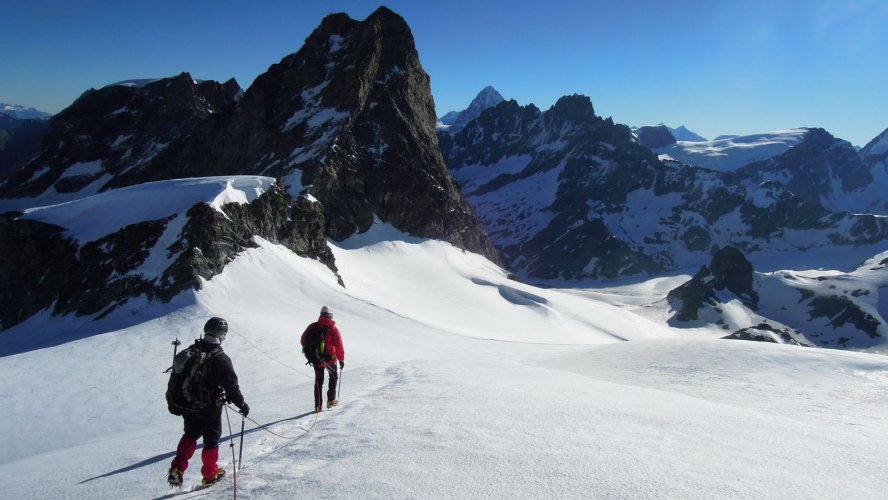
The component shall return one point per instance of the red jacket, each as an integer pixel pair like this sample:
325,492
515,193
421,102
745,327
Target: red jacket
332,341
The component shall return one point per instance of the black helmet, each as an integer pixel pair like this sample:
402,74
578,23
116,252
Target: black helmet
217,327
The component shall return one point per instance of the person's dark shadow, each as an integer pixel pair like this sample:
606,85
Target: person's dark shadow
170,455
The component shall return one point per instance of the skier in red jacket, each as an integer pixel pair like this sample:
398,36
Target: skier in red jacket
325,360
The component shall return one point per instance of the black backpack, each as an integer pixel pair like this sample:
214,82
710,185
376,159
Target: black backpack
315,344
187,389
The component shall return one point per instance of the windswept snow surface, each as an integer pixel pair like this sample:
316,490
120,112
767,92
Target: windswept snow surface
458,383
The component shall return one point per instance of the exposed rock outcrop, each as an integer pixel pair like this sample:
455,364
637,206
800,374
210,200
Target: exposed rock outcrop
728,271
657,136
44,269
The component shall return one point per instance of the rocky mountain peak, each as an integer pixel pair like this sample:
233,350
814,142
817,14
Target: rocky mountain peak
654,137
486,99
572,108
110,135
729,270
822,170
363,125
681,133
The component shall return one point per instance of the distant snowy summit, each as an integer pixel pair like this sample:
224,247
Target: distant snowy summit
663,135
23,113
730,152
455,121
135,82
877,147
138,83
683,134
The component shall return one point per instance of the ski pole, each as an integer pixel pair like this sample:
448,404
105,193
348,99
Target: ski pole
231,444
339,389
241,453
176,345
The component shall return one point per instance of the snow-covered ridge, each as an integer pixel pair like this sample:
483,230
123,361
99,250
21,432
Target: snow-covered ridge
731,153
134,83
878,146
89,218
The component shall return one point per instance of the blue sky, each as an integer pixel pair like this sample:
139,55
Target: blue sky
717,67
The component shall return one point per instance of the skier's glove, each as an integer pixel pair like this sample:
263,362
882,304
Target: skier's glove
342,364
174,411
245,409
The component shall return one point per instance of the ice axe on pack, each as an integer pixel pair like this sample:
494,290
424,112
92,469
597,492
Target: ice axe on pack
176,343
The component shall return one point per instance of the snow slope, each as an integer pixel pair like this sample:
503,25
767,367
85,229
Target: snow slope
459,383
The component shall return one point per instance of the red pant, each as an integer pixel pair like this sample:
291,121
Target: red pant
209,426
208,456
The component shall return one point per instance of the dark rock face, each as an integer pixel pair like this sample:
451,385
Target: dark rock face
210,239
576,242
839,311
119,131
752,334
20,140
764,332
729,270
44,269
385,160
655,137
37,259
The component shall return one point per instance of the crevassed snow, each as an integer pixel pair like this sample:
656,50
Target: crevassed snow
90,218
